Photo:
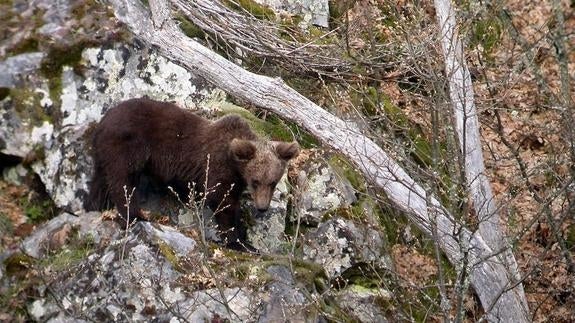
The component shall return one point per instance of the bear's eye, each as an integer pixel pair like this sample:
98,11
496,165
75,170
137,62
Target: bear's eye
255,183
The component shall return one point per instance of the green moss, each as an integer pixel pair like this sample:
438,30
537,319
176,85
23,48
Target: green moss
4,93
67,257
17,264
27,45
170,255
570,237
53,63
75,250
344,168
27,104
487,33
273,127
6,226
257,10
241,272
304,138
364,206
375,103
420,147
38,211
364,275
189,28
308,273
55,88
57,57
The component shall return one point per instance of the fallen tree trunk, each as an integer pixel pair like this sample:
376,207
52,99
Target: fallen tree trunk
488,276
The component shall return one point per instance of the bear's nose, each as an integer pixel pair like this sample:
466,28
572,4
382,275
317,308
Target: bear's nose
262,210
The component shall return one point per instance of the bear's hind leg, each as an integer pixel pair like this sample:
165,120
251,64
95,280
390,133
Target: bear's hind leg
98,198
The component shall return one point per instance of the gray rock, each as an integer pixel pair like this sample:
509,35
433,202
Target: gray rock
338,244
313,12
15,175
284,301
234,304
36,244
125,281
16,67
66,168
134,279
321,189
179,243
267,234
40,309
361,303
89,225
20,137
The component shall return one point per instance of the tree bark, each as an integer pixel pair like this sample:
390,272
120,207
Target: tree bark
488,275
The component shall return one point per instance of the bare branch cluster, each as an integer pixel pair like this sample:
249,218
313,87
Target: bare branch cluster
245,34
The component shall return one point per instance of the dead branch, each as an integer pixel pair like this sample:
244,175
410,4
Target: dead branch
262,38
488,275
467,127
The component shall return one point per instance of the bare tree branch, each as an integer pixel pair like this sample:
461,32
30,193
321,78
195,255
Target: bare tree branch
488,275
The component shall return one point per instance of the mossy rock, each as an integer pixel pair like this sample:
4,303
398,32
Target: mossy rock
346,169
363,275
27,104
75,251
18,263
257,10
170,255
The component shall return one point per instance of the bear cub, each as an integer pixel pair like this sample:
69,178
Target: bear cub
169,145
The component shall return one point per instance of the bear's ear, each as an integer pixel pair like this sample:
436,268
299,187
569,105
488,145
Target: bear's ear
242,150
287,150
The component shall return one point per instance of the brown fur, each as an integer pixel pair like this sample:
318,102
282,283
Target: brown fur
170,145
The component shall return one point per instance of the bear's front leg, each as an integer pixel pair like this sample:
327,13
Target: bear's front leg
232,228
123,194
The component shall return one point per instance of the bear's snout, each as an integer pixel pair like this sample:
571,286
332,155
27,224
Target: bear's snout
262,198
262,205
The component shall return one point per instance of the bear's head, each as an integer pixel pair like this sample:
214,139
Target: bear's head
261,165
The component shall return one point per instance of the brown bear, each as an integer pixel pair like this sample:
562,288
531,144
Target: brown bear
142,137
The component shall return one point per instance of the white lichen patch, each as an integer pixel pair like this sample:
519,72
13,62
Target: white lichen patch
321,190
45,101
42,134
330,252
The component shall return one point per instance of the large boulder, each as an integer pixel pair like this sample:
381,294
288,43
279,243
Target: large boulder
320,188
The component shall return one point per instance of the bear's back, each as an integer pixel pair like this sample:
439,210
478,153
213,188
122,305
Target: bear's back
149,121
